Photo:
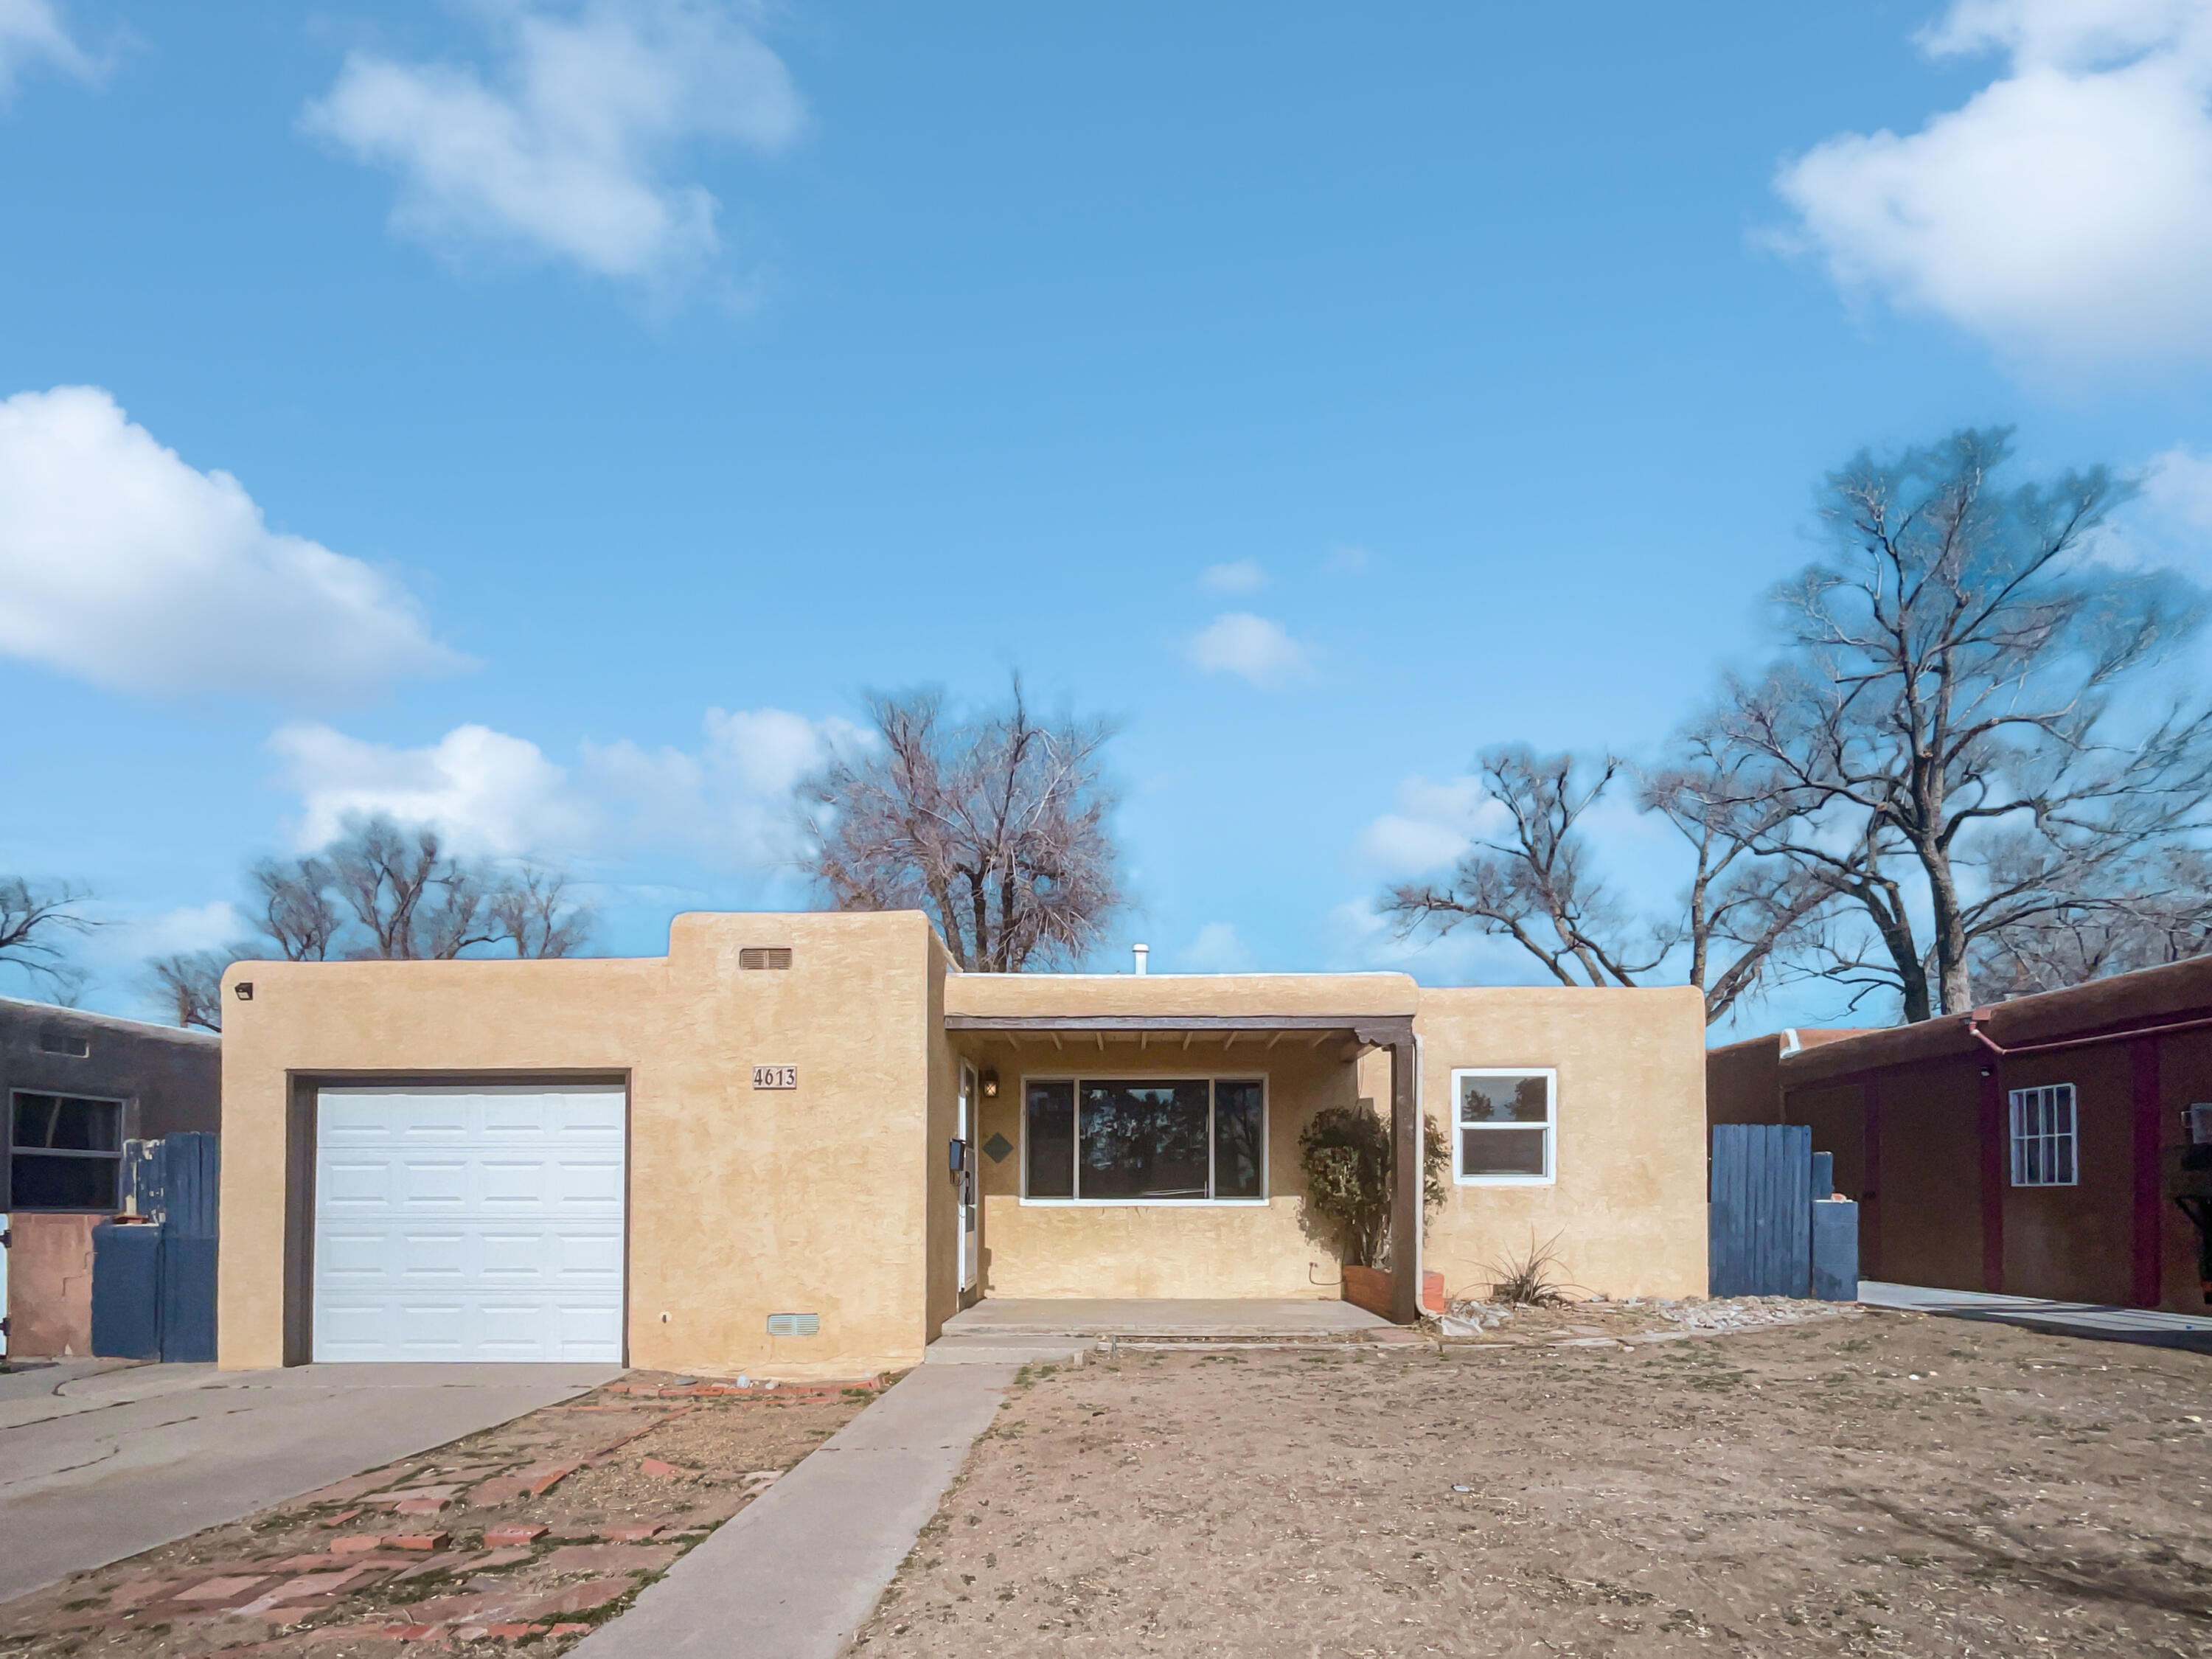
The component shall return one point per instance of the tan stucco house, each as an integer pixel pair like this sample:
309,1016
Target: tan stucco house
798,1143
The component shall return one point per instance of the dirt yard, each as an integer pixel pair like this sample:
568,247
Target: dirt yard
532,1533
1877,1484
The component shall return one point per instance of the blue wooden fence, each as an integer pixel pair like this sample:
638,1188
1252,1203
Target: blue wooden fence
1761,1219
1773,1230
154,1280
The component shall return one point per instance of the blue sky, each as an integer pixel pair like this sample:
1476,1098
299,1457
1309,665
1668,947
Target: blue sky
549,419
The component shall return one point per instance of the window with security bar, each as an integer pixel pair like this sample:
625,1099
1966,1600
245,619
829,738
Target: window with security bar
2043,1144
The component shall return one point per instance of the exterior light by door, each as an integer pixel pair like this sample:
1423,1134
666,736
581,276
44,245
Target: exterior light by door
990,1085
243,990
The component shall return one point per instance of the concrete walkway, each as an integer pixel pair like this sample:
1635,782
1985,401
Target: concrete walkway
2087,1319
800,1568
100,1464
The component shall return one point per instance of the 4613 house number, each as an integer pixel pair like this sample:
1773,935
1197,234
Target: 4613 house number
775,1077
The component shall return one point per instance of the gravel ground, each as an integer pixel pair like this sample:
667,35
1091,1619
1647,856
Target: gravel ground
1875,1484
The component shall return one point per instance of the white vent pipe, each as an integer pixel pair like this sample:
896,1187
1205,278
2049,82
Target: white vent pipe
1141,951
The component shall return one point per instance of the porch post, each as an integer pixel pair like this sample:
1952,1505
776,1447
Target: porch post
1406,1187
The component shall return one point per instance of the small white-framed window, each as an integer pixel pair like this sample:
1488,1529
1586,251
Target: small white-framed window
1144,1139
2042,1144
1504,1125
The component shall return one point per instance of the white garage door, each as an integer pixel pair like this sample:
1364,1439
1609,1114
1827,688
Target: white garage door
469,1223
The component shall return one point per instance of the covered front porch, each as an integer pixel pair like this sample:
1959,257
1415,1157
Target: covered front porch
1138,1165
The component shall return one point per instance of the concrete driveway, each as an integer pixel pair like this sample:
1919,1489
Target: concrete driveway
97,1463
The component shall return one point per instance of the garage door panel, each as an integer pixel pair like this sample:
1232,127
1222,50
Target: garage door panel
510,1183
460,1223
353,1257
349,1182
591,1257
427,1183
585,1331
588,1183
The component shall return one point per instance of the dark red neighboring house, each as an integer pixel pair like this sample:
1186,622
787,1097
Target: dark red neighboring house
2036,1147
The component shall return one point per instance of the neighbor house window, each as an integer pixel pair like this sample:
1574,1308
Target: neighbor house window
64,1152
1148,1140
1503,1125
2043,1137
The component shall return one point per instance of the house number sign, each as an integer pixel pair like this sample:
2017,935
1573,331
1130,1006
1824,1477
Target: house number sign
775,1077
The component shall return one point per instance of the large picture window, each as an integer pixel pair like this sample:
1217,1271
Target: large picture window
1503,1125
64,1152
1145,1141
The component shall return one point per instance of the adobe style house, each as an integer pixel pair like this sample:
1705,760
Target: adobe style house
2037,1147
77,1087
797,1144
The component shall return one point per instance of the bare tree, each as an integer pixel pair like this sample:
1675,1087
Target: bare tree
381,892
1741,914
33,919
995,826
298,914
1748,917
2146,915
532,912
1534,886
1942,725
192,982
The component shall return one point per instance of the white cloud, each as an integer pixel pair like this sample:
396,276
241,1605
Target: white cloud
1252,647
123,942
1217,950
2065,211
488,791
1243,576
31,31
1435,822
2179,489
728,803
123,565
2172,523
563,147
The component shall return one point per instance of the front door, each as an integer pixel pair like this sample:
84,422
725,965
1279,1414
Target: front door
967,1179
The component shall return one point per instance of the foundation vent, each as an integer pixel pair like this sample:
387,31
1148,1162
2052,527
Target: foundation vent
764,956
794,1324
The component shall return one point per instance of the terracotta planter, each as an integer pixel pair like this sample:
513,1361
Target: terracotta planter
1370,1288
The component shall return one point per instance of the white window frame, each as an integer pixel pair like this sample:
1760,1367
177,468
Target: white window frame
2049,1095
1551,1127
1146,1075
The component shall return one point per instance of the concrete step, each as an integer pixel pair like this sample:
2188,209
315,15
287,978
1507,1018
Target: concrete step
1006,1350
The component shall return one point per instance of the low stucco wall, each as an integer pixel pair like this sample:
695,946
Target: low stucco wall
741,1203
50,1287
1628,1204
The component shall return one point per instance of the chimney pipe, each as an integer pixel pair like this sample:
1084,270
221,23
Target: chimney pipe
1141,952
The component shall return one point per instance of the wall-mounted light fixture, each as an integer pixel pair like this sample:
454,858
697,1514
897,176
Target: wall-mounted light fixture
990,1084
243,990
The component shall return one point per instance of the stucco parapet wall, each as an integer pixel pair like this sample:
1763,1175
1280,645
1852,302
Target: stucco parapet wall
1461,1000
1013,996
2181,990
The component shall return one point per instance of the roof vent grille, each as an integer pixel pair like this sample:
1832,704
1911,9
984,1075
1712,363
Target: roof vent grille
54,1041
764,956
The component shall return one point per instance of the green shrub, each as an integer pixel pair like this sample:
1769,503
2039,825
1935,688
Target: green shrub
1344,1153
